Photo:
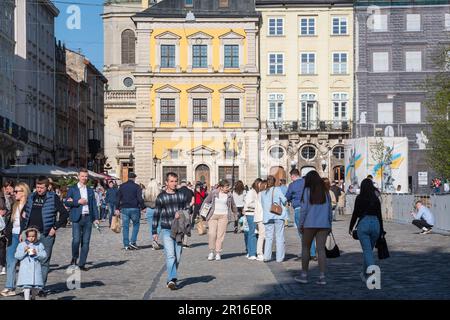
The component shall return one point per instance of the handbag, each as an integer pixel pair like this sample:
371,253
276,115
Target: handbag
200,225
275,208
116,226
204,211
334,252
381,245
355,231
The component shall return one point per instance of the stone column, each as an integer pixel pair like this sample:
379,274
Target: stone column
251,106
143,130
252,156
252,51
143,47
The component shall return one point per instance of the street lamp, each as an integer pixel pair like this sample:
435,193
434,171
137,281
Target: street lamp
155,162
131,159
107,168
324,165
18,154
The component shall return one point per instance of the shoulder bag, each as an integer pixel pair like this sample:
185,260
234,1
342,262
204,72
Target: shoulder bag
381,245
275,208
330,250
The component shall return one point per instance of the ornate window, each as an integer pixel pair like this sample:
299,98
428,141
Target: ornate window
308,152
338,152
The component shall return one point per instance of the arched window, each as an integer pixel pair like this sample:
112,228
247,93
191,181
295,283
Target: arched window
308,152
128,47
128,136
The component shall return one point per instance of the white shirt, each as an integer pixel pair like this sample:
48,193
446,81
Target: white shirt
239,199
220,204
16,223
84,195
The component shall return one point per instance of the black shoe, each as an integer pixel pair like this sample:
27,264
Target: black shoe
186,246
43,293
73,262
134,246
83,268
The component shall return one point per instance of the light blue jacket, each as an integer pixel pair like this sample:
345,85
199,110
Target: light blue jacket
30,272
315,215
266,203
425,213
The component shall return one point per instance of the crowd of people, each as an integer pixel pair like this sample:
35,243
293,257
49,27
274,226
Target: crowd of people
172,210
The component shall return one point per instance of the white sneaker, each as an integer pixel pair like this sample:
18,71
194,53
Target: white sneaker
3,271
211,256
218,257
260,258
252,258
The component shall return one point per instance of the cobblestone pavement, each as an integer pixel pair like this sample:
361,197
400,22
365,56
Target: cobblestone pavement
417,269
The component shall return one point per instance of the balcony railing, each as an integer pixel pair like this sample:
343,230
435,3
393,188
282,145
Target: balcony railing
125,149
316,125
120,97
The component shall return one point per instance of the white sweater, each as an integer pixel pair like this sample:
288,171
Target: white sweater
250,202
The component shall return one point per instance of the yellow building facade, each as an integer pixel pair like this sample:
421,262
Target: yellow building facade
196,83
306,84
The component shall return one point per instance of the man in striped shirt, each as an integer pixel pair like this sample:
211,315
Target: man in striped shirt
168,203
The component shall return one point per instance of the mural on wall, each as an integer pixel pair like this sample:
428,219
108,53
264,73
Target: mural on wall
386,159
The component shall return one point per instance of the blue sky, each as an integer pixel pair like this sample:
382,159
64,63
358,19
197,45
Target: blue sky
89,38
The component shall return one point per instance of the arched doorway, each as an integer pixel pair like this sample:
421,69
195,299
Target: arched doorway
304,171
202,173
339,173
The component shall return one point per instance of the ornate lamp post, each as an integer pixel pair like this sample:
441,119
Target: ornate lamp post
131,160
155,162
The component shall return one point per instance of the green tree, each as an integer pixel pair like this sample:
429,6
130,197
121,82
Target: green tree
438,105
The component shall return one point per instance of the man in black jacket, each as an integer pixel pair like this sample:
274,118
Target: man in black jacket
129,204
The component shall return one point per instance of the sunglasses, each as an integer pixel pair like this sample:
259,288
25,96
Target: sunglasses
16,191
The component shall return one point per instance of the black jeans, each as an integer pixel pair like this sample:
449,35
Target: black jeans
3,243
421,223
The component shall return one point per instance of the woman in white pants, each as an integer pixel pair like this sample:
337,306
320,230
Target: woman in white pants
259,222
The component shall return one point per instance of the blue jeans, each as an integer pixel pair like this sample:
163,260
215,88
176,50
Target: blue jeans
11,263
81,233
112,209
172,251
48,243
278,227
368,234
150,212
297,222
135,215
251,237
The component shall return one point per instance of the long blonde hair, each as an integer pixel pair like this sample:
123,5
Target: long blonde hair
152,191
26,193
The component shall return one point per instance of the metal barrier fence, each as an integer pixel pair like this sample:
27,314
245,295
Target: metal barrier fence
397,207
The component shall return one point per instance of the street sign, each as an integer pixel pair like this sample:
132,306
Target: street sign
423,178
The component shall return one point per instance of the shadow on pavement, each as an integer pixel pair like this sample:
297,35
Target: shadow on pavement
201,244
193,280
109,264
61,287
232,255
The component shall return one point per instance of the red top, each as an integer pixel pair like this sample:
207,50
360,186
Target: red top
199,196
